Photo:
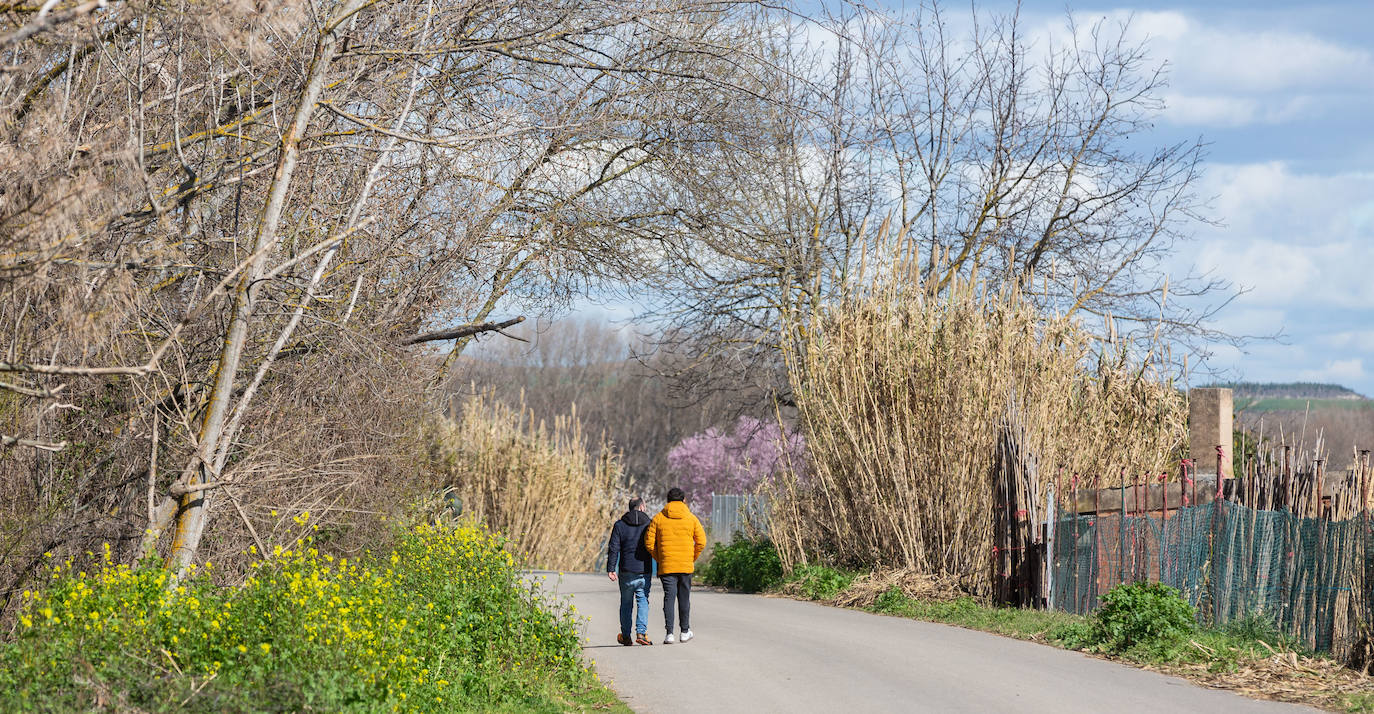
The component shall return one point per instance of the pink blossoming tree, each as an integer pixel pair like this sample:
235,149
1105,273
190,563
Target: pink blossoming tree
734,461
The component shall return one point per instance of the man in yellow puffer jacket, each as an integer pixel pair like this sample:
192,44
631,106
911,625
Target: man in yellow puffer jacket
675,538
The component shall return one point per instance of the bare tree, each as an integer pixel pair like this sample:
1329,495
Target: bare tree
607,373
224,228
988,151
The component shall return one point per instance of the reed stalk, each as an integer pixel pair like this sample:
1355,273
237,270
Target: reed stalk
902,391
537,484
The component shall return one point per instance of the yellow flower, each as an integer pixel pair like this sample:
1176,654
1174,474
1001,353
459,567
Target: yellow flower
265,648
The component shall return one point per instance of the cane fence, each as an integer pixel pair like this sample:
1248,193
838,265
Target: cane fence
1306,571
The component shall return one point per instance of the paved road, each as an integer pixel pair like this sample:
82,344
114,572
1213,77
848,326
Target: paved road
757,654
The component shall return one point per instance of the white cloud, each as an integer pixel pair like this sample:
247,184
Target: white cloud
1339,371
1227,77
1246,60
1293,239
1362,340
1252,321
1232,111
1302,244
1272,273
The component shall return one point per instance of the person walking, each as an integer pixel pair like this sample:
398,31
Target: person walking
675,538
628,563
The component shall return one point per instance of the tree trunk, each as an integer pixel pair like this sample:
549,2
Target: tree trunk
194,506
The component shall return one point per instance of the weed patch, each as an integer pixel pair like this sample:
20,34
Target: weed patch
442,623
818,582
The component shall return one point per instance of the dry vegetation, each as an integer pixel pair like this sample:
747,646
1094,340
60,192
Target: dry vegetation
621,387
226,227
535,483
903,392
1343,430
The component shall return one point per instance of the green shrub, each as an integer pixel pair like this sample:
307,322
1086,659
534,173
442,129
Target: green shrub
1142,615
820,582
751,566
445,622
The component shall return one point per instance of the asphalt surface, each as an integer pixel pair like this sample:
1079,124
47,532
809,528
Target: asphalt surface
760,654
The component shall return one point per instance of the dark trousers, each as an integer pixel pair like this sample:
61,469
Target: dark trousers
677,587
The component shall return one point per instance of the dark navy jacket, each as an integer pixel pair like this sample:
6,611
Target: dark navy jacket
626,546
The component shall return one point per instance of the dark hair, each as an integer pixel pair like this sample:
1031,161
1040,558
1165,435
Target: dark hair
636,503
676,494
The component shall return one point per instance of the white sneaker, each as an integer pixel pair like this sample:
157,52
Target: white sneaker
669,639
687,635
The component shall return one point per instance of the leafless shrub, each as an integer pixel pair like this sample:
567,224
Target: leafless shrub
533,482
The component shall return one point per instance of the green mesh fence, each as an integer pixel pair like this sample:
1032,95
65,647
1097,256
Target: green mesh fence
1229,561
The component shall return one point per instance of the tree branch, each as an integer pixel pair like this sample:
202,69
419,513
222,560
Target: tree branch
462,331
6,440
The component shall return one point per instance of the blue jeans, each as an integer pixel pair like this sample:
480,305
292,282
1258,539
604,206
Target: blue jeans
634,595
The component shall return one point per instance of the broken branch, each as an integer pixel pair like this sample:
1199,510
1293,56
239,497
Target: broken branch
462,331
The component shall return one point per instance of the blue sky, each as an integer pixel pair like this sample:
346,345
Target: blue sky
1284,95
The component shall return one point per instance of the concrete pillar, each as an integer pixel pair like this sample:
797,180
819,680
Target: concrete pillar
1209,425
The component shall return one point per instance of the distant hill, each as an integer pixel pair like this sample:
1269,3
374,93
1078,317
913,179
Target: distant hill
1290,390
1255,397
1302,410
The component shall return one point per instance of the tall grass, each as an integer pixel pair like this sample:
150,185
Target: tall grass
902,391
537,484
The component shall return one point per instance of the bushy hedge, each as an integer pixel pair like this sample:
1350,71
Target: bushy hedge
748,565
442,623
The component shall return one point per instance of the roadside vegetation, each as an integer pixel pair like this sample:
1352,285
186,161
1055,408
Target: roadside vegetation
539,482
443,622
905,393
1144,624
746,565
246,290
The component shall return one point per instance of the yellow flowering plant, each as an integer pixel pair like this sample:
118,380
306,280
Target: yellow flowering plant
444,622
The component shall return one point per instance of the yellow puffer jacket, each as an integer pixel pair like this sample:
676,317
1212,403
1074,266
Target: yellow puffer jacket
675,538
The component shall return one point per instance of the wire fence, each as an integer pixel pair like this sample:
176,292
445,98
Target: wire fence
1307,576
746,514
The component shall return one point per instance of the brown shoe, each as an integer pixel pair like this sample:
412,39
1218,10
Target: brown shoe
643,639
622,639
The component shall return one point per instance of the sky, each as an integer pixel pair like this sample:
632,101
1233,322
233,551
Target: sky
1283,95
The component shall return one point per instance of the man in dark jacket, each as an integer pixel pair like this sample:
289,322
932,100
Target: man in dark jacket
628,563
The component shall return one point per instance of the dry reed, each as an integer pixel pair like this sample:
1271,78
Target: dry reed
867,589
902,392
537,485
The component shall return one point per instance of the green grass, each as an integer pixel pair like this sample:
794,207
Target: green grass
1358,702
819,582
1220,649
968,612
